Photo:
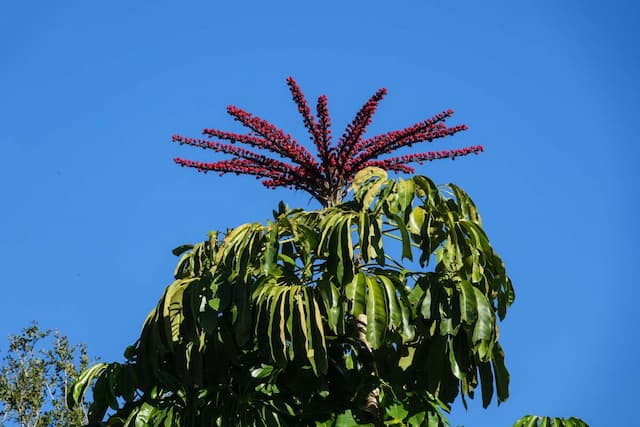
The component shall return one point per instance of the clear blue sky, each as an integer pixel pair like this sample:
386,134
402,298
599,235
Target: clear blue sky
92,204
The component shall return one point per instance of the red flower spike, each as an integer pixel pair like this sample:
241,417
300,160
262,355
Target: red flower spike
353,134
277,141
326,181
324,129
305,111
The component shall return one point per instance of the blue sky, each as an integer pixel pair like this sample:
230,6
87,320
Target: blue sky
91,92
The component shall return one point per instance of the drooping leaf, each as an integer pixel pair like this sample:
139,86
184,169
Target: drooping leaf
395,315
484,327
376,313
181,249
405,191
416,220
356,294
486,382
468,305
319,340
80,386
501,373
406,241
271,252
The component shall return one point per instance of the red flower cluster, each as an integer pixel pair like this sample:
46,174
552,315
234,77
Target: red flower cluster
399,164
328,177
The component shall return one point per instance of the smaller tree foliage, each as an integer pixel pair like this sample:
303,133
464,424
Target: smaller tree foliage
538,421
36,373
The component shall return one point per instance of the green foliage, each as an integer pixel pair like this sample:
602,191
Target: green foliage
311,319
537,421
35,376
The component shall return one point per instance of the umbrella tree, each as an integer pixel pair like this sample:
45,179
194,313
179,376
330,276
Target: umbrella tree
377,309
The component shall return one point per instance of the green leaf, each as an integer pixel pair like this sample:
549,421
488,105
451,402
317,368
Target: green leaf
277,331
243,321
376,249
455,367
408,327
538,421
271,249
103,396
430,302
416,420
79,387
501,373
407,360
428,188
303,317
466,205
290,326
406,241
142,416
376,314
405,191
364,236
365,175
372,191
416,220
346,419
317,351
332,304
366,184
395,316
486,382
396,412
527,421
172,308
468,306
181,249
262,372
434,420
484,327
356,294
346,267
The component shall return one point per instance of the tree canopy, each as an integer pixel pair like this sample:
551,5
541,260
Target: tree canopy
35,375
379,309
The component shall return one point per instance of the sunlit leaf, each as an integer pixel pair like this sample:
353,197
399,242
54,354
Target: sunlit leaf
376,313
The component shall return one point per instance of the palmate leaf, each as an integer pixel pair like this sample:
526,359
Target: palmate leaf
291,316
478,287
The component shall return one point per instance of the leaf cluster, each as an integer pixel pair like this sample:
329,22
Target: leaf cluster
378,311
539,421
